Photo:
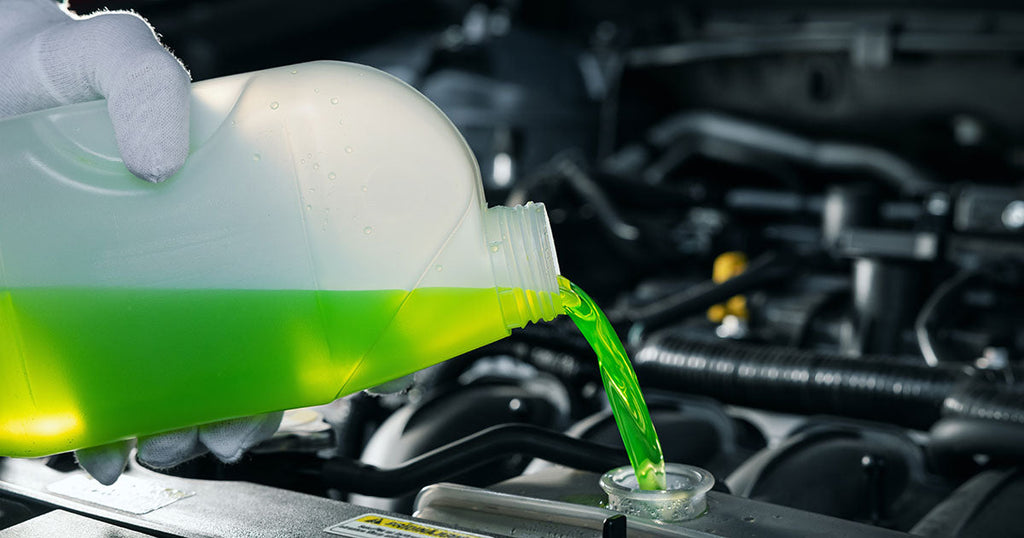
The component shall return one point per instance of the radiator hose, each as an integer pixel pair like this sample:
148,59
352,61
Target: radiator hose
885,389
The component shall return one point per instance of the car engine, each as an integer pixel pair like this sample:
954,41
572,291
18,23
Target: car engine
804,219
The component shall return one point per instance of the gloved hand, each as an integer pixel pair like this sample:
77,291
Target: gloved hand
49,57
227,440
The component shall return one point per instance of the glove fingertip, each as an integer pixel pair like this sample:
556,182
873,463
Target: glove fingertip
149,108
169,449
105,463
230,439
153,173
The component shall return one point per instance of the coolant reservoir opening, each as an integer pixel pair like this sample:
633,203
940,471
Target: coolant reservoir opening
685,497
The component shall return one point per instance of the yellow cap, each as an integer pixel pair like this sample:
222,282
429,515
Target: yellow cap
728,265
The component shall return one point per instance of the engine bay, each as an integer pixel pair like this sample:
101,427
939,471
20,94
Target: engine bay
805,221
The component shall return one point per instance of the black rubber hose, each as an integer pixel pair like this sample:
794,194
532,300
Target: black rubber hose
467,453
995,402
738,134
765,269
960,437
952,515
783,379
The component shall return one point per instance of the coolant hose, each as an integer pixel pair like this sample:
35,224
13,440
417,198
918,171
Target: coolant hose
784,379
990,401
962,438
951,516
460,456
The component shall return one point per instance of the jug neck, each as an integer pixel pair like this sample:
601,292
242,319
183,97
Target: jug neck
523,259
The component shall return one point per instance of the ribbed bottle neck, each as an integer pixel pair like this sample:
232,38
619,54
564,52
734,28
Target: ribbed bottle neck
524,263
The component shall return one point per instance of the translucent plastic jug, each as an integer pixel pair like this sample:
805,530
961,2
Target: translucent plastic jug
327,234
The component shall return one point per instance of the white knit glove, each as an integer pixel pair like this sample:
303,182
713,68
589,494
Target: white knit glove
48,58
227,440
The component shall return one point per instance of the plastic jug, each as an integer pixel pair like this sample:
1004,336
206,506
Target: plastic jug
328,233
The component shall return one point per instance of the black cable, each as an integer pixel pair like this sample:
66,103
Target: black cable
467,453
604,209
926,317
765,269
565,167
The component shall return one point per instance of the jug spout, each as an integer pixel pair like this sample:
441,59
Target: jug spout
524,262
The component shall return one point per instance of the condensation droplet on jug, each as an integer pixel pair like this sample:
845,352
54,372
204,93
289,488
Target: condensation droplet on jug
494,247
316,166
295,71
316,90
274,105
368,230
334,100
348,149
439,268
332,176
309,207
364,188
255,156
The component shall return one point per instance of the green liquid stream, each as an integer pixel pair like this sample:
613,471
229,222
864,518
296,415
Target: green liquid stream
620,384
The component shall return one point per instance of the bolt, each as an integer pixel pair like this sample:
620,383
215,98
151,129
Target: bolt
967,130
993,358
937,204
1013,215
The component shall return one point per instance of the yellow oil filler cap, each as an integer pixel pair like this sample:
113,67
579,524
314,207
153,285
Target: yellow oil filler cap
728,265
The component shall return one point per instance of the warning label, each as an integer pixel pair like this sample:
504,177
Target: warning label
376,525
